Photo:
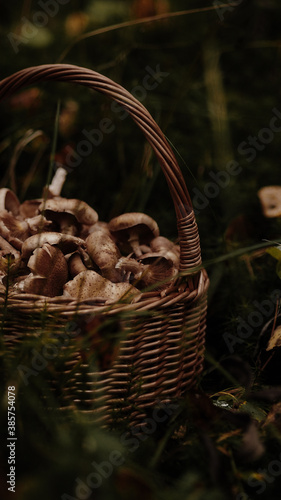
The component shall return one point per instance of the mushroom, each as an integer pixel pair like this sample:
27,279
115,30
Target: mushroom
145,249
30,208
105,254
131,268
152,269
163,246
49,263
270,198
65,242
31,284
158,271
10,257
38,223
18,228
99,225
6,234
58,181
9,201
76,264
135,228
68,213
89,284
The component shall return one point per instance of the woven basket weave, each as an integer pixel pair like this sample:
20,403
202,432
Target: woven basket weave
161,351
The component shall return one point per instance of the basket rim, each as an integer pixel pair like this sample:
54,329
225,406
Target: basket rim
26,303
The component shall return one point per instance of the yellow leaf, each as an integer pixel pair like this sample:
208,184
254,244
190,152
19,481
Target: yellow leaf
227,435
275,252
275,339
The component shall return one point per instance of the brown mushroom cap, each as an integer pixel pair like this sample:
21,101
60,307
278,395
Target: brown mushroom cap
163,246
47,262
64,222
135,228
65,242
38,223
9,256
98,226
79,209
150,269
30,208
130,268
9,201
270,198
89,284
6,248
17,228
8,236
158,271
105,253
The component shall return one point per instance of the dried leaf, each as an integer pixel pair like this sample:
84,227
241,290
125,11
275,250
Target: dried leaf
275,252
274,416
275,339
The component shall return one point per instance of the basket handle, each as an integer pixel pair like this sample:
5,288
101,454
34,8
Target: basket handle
187,227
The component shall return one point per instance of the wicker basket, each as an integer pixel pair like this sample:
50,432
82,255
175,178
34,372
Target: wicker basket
161,351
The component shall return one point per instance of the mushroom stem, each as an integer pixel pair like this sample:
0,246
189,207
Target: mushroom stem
130,265
135,242
58,181
76,264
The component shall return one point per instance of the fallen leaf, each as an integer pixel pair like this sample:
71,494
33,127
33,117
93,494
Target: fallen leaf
274,416
275,339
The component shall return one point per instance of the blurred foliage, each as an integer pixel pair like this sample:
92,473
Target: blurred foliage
223,82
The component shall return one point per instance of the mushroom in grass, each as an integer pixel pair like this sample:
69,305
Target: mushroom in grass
66,242
134,229
90,285
105,254
9,201
167,248
69,214
270,198
150,270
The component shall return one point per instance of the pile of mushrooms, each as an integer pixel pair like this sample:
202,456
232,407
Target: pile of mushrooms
56,246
